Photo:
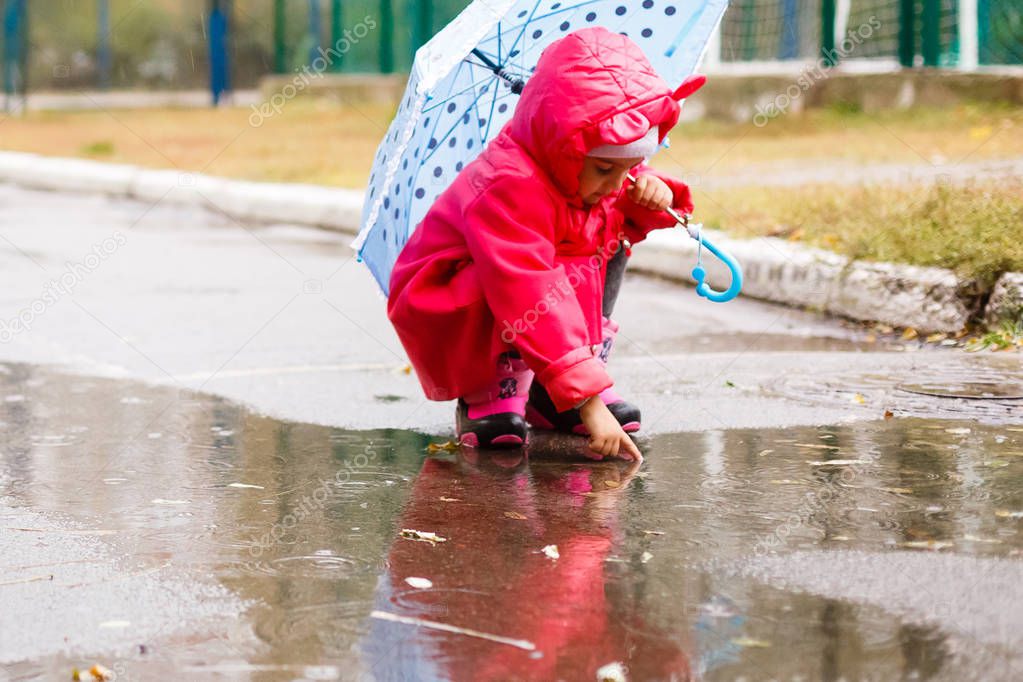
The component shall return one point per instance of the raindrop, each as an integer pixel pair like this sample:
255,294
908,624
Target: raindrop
426,122
420,193
591,16
437,171
432,144
523,13
397,213
647,4
537,33
620,10
458,166
468,145
646,33
452,142
451,108
465,119
503,108
669,10
564,26
387,202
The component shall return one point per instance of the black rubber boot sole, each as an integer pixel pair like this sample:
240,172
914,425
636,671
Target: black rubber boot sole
504,430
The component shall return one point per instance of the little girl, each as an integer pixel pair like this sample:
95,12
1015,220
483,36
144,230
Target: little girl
502,297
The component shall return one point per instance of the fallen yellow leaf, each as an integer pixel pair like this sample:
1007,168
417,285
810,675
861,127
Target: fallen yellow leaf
422,536
749,642
909,334
515,515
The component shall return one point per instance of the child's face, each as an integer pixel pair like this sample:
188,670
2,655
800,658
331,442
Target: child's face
601,177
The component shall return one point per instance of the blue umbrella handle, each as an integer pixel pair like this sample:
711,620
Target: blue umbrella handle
699,274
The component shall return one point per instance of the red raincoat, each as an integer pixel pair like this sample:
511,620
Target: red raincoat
509,256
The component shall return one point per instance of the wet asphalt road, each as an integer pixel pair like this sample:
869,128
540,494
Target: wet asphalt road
210,448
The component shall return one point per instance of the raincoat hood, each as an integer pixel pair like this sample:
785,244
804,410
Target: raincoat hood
591,88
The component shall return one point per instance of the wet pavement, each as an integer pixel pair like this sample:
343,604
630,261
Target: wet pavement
213,466
185,534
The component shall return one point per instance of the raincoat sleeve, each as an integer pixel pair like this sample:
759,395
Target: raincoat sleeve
510,234
641,221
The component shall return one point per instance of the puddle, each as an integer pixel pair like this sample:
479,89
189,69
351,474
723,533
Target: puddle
992,393
664,572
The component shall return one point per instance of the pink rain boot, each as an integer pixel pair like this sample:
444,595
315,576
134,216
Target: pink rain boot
541,413
494,417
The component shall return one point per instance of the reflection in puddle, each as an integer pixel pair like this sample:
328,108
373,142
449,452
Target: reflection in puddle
649,577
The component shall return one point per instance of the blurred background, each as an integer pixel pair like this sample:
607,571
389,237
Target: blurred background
66,44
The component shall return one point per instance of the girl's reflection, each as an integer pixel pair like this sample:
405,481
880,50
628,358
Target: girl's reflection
497,513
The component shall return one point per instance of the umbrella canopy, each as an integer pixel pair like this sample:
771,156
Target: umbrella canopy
463,89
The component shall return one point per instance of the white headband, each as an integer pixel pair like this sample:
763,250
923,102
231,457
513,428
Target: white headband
645,146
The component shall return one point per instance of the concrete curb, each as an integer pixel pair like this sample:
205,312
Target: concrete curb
928,299
264,202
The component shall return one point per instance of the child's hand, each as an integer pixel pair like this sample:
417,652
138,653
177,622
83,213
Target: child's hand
607,438
649,191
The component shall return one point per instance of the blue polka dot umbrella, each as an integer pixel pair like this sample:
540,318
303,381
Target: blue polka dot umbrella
463,88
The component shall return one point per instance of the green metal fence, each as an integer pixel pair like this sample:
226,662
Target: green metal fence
162,43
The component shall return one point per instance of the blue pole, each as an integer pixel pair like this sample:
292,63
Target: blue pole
789,47
15,42
219,77
103,44
314,30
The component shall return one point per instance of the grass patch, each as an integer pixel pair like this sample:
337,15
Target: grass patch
324,142
98,148
976,229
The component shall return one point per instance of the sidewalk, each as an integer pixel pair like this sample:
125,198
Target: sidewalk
927,299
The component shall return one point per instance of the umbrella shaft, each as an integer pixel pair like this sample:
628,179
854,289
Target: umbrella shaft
516,83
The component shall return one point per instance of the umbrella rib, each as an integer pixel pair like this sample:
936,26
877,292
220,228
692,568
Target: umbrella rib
436,123
532,19
490,119
442,102
451,129
524,25
684,32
